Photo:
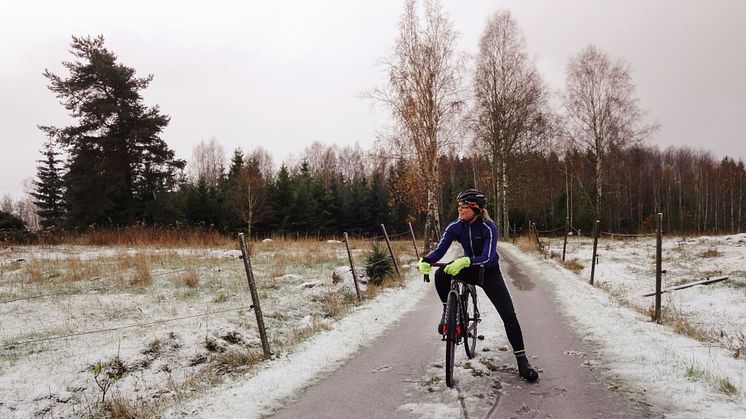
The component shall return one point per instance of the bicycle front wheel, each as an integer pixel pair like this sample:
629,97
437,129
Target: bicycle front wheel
470,320
451,335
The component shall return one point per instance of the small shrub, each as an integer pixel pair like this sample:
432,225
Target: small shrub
106,374
378,265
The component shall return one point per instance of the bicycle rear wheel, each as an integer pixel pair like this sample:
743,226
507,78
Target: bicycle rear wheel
470,318
451,325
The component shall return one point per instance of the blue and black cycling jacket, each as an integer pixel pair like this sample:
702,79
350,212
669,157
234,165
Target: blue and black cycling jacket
478,240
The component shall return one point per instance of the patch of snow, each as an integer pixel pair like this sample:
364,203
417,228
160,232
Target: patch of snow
310,284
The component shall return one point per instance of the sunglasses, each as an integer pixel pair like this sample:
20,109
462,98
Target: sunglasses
464,206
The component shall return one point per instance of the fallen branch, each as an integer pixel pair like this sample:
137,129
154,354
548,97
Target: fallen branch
691,284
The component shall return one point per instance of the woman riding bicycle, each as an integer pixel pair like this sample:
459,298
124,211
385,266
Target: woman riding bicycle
477,234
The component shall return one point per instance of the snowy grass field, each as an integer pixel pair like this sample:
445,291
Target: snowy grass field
694,364
714,314
144,328
196,347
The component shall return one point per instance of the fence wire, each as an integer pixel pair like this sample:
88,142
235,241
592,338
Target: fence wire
77,292
129,326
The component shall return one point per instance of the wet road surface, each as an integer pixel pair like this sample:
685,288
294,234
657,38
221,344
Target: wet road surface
399,375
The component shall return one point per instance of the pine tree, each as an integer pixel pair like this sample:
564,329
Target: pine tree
48,188
118,163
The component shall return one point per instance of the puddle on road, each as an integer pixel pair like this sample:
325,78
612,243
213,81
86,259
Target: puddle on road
520,279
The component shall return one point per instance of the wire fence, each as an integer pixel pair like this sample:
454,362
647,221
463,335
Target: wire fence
129,326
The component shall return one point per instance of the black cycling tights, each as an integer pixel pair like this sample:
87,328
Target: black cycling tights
494,287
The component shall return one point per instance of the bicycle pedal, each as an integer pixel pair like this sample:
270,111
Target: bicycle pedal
480,337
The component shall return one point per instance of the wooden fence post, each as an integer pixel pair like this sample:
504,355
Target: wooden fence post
658,263
596,232
254,295
414,242
391,251
352,266
567,231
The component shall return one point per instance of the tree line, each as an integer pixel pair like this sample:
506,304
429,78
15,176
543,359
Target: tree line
583,159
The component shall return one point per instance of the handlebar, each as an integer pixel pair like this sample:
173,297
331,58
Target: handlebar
426,277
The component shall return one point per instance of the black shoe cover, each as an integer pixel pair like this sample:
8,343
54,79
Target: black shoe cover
525,370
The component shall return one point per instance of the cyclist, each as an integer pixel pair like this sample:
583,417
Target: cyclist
477,234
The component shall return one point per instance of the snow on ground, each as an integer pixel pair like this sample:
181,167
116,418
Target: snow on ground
63,309
714,313
678,374
289,373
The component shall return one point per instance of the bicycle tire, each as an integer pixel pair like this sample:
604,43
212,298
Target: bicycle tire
470,319
451,336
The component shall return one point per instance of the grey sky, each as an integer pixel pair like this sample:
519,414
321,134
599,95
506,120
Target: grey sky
285,73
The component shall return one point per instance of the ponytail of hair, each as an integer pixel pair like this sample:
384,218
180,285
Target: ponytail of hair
485,215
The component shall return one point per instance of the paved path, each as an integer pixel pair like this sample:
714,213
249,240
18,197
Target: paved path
571,383
400,375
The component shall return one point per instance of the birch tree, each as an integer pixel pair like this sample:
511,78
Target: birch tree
208,162
424,97
510,104
601,109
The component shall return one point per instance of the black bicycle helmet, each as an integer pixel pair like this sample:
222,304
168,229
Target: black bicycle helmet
473,197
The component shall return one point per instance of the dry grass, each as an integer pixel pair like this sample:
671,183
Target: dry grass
190,278
299,335
236,360
573,265
121,408
711,253
141,277
278,269
141,236
77,270
726,387
70,270
526,244
35,271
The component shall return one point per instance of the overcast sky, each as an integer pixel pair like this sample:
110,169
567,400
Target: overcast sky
285,73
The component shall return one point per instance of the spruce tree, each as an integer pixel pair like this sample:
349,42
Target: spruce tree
118,164
48,188
281,197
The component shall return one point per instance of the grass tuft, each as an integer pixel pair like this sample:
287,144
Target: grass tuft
573,265
190,278
726,387
141,276
711,253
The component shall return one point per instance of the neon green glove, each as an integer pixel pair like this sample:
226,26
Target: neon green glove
425,268
457,265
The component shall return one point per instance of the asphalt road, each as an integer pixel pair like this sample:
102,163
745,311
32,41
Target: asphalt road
400,375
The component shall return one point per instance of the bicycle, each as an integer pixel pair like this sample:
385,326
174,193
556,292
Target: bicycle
461,321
